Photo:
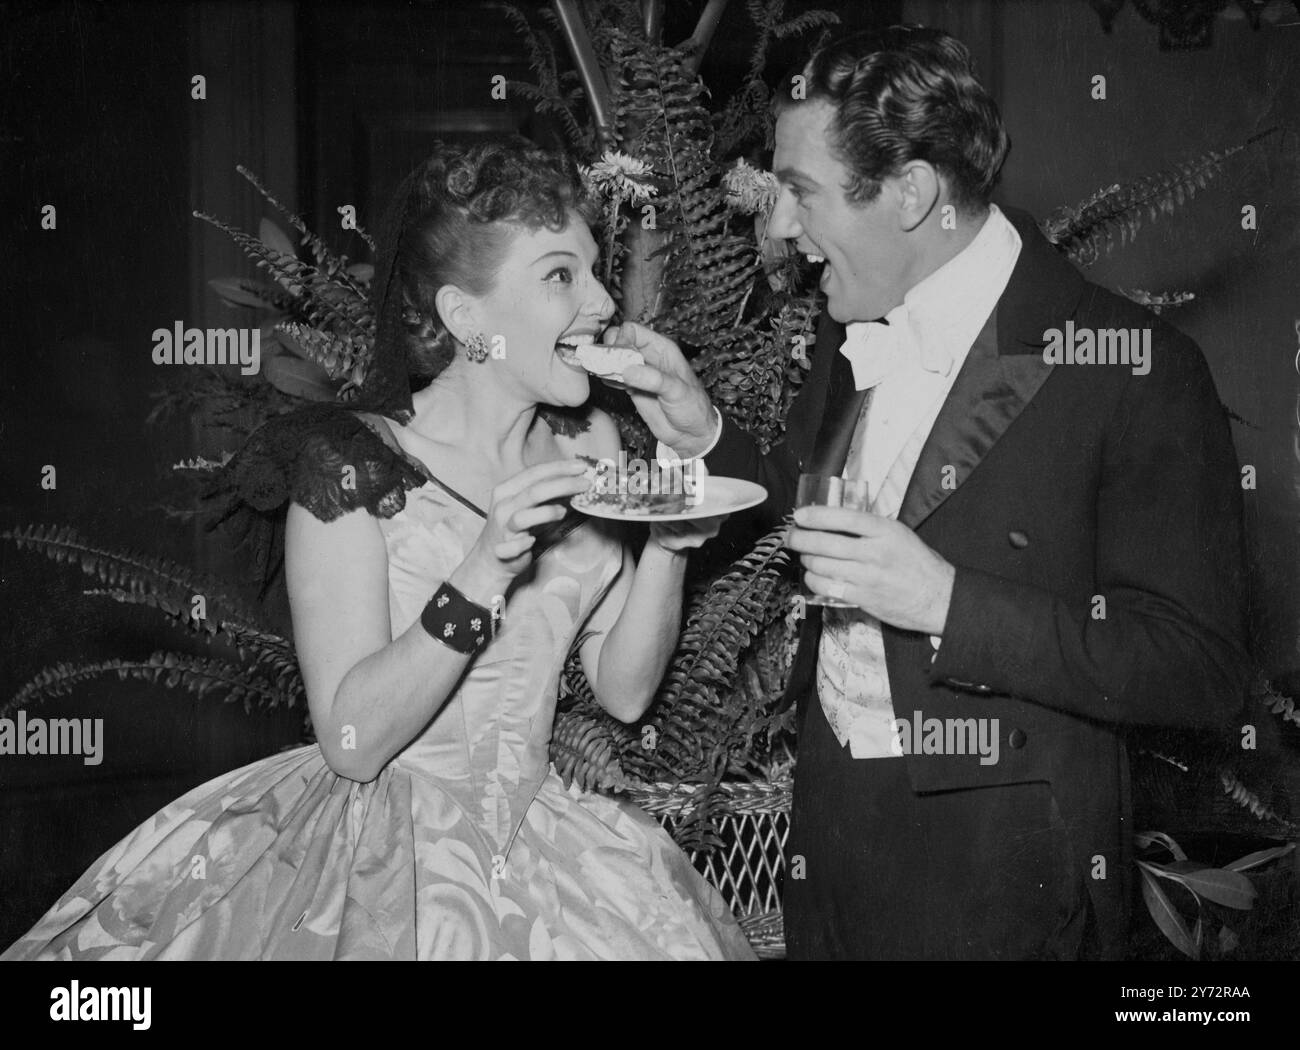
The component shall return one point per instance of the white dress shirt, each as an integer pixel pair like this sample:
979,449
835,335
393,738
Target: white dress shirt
912,362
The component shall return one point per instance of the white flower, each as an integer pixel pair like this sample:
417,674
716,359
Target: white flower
618,175
749,190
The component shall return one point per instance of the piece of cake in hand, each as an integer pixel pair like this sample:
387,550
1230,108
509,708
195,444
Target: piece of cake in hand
608,362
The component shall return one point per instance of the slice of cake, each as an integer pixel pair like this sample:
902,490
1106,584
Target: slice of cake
608,362
649,490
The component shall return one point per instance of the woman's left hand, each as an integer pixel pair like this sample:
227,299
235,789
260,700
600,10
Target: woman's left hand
677,536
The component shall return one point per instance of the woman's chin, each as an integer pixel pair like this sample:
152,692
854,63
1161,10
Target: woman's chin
570,390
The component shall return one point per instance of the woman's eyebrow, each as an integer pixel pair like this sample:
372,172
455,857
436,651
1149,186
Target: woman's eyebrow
564,254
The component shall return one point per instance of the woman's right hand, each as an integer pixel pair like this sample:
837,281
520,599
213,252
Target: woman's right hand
519,504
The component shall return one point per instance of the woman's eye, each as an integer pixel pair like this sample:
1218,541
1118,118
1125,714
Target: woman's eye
564,274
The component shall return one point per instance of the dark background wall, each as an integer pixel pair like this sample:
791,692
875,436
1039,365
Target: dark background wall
331,103
1164,107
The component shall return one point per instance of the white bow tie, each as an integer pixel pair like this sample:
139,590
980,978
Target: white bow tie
875,350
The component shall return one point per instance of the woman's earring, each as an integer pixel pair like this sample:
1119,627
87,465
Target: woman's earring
476,349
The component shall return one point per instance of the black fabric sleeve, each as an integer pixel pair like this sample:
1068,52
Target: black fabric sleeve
321,456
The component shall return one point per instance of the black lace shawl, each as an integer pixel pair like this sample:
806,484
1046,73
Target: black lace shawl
303,456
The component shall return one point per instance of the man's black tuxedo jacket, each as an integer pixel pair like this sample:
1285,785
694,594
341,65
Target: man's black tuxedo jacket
1072,481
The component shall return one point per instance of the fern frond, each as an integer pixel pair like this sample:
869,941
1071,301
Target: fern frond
804,23
661,118
696,829
225,401
339,355
585,752
747,115
548,93
200,676
701,732
201,464
133,572
1282,706
1157,301
1088,228
331,265
271,653
136,579
319,299
1249,801
754,375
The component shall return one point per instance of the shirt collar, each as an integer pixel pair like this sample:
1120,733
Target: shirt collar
942,314
968,283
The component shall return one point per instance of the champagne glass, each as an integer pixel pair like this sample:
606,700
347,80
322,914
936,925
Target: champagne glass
829,490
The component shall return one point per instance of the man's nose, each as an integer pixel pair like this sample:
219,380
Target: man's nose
783,225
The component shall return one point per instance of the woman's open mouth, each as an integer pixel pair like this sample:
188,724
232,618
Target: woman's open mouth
566,347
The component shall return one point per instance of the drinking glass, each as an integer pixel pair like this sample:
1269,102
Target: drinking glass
829,490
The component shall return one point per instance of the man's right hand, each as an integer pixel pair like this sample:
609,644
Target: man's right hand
666,391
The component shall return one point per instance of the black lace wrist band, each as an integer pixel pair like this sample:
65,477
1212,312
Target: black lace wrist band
459,623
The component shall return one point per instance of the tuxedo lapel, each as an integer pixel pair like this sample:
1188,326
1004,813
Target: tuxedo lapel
1002,372
844,404
840,412
990,392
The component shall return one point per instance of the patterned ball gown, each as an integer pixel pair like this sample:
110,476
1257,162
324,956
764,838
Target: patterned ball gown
466,846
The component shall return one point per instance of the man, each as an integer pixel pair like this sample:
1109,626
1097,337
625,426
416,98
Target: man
1054,551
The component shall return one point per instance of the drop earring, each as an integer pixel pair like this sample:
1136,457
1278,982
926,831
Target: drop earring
476,349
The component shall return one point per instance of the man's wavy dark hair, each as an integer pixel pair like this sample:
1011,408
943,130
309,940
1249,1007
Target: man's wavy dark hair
908,93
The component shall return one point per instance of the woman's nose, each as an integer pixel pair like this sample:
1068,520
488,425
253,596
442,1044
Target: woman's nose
783,225
600,304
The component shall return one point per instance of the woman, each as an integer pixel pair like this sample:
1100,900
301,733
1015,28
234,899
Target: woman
431,628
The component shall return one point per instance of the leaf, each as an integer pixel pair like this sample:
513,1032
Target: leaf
235,292
1144,839
1166,917
1228,941
275,238
298,378
1229,888
1263,856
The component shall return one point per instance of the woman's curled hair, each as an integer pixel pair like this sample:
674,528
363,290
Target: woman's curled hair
451,222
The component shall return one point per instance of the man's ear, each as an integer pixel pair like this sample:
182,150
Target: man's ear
456,310
918,187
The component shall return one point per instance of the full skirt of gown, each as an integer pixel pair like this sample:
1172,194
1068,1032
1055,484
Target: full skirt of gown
466,846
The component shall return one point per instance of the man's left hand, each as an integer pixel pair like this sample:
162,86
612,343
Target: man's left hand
881,566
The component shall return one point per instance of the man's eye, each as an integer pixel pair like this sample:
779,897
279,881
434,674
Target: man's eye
564,274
